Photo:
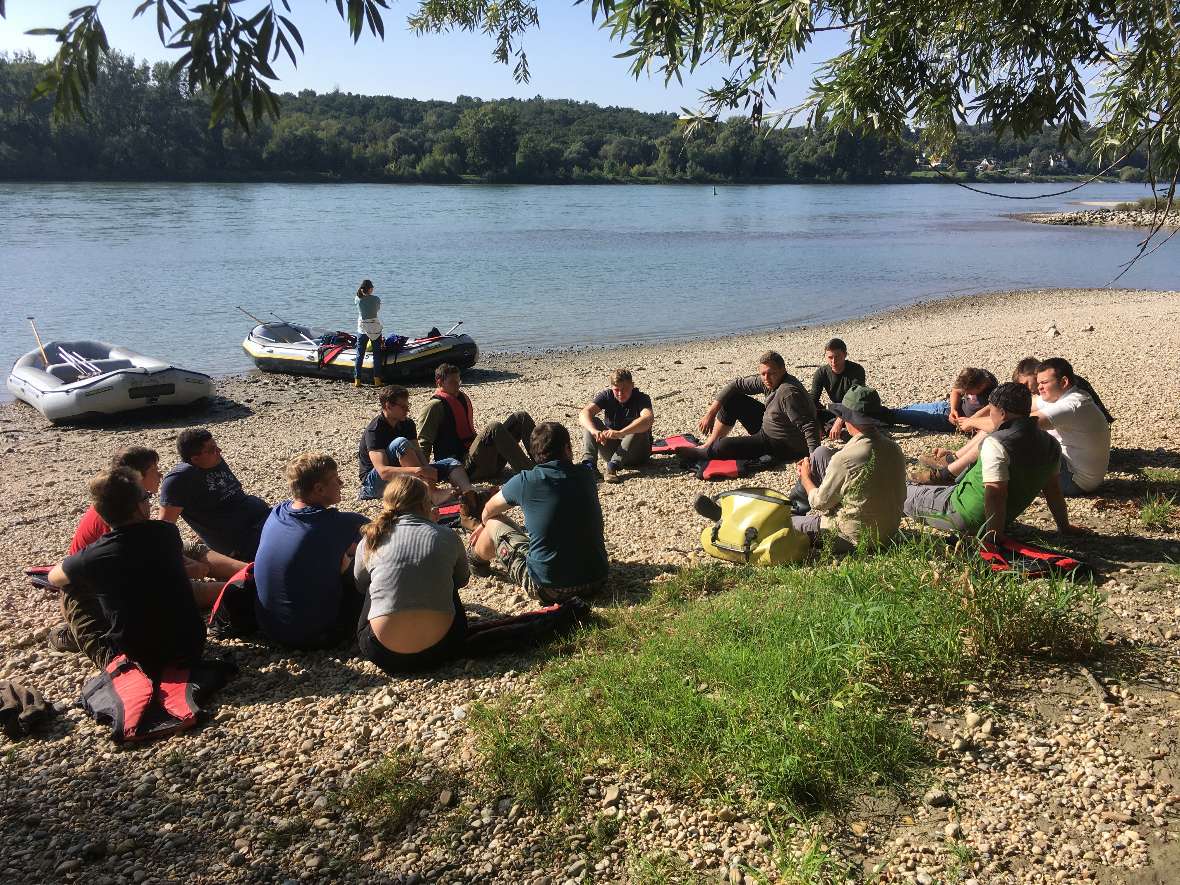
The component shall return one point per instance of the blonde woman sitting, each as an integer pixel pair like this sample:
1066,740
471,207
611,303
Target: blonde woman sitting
410,570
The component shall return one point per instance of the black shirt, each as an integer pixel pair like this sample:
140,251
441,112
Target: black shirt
617,415
136,572
377,437
216,508
835,385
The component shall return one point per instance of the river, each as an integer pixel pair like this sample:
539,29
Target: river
161,267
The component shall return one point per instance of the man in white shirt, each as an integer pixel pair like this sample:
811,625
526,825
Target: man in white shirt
1071,415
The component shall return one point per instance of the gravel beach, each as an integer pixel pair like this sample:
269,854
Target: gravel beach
1037,780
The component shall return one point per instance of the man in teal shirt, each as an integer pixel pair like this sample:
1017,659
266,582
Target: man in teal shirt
563,553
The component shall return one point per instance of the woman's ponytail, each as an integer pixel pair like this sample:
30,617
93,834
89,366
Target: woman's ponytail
403,495
365,289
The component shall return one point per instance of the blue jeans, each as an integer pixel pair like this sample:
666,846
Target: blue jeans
362,341
373,486
925,416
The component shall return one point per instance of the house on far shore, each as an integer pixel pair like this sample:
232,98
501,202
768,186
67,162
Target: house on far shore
985,165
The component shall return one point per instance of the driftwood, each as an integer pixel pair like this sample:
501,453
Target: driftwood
1104,694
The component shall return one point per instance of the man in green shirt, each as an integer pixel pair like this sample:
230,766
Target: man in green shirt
446,429
1016,462
855,495
836,377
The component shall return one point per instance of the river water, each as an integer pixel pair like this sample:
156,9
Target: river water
161,267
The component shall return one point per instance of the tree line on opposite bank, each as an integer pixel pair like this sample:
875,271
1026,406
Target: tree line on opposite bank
143,123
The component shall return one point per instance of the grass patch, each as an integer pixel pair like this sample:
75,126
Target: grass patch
1158,510
1162,475
664,869
786,687
1144,204
387,795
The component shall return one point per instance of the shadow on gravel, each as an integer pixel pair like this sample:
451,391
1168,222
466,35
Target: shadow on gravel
216,410
488,376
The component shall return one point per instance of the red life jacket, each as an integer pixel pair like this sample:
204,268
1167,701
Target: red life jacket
463,414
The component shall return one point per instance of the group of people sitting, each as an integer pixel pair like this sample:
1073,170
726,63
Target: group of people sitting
322,575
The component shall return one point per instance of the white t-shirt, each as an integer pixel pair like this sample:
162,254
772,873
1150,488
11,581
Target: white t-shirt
1081,428
993,459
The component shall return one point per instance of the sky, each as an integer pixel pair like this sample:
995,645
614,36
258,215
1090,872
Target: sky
569,56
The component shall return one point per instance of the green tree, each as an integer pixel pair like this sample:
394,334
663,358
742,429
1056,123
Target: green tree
490,139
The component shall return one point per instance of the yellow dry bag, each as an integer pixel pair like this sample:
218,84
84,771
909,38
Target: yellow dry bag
751,525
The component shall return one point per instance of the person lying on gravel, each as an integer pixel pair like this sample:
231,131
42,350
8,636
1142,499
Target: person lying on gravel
303,570
389,448
835,378
563,553
1016,462
200,562
136,573
785,428
622,435
447,430
206,493
969,393
852,497
1063,408
409,570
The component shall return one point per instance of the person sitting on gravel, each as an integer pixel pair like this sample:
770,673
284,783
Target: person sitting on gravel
409,571
969,394
835,378
199,561
785,428
303,570
1026,373
1016,462
622,436
206,493
389,448
1070,414
563,553
853,497
1077,422
136,573
447,430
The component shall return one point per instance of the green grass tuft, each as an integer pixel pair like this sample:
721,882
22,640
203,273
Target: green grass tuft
786,687
387,795
1162,475
1158,510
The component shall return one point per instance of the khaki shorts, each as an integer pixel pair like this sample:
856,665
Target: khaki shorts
512,549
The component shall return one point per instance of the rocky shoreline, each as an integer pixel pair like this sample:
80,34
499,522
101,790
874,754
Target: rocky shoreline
1034,779
1105,216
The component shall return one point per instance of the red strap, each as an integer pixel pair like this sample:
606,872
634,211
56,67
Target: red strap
245,573
721,470
464,415
449,510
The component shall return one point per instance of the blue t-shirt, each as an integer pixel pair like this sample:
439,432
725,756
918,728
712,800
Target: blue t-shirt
617,415
564,522
297,570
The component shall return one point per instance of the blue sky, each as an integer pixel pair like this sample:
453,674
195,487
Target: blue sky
569,57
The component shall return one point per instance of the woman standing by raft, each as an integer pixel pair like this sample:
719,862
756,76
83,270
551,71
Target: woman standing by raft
368,328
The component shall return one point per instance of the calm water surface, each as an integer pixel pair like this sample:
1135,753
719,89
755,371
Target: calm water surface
161,266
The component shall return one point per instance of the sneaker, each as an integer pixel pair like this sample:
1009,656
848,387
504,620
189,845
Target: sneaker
356,382
61,638
378,381
610,473
925,475
937,458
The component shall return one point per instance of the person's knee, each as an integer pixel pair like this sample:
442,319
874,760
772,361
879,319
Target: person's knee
520,425
399,447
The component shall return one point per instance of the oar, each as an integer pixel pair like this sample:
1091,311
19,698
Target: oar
40,346
74,363
89,365
250,315
293,326
453,328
